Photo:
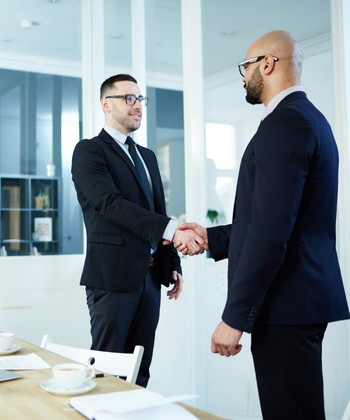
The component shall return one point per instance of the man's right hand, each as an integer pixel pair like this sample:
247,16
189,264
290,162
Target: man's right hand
190,239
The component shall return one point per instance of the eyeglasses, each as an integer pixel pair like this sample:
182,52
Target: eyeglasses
242,67
131,99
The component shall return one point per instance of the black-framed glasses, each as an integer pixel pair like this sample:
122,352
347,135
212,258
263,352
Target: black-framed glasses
131,99
242,66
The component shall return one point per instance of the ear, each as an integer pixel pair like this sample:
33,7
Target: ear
269,64
105,106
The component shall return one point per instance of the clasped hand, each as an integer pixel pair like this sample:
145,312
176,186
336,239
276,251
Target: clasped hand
190,239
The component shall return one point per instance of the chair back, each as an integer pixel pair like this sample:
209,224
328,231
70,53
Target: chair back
118,364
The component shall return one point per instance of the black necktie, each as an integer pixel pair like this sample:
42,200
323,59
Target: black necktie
140,169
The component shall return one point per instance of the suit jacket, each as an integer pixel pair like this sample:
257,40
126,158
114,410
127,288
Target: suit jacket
281,245
120,228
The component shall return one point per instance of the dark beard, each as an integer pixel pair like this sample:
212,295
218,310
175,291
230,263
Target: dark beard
253,100
254,88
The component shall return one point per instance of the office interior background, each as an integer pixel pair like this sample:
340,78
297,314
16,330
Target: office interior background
54,55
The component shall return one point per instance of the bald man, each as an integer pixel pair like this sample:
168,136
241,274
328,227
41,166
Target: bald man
284,281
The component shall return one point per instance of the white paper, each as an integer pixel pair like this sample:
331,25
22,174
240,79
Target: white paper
27,362
135,404
168,412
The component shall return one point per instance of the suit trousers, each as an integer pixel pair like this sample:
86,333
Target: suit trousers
121,320
288,368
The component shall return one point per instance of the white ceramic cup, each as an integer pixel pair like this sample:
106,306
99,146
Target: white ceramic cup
71,375
6,339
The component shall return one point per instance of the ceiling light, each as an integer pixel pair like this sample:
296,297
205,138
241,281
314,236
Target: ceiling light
27,23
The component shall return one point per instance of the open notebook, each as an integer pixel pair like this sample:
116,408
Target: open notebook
131,405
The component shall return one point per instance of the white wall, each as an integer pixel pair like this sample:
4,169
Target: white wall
41,295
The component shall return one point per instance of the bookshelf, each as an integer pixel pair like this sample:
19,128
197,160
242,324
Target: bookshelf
30,215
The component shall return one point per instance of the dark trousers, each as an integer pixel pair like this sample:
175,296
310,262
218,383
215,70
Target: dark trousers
122,320
288,368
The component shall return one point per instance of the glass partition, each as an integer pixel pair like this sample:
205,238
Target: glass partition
165,119
117,37
40,122
37,136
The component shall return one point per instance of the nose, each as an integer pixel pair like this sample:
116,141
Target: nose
137,104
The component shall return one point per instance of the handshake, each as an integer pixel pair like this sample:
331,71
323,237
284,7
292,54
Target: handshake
190,239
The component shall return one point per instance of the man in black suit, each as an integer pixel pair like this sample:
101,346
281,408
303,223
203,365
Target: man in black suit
120,192
284,281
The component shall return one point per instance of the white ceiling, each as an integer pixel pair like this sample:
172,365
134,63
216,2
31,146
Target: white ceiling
56,34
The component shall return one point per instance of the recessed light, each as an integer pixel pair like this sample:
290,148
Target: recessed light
27,23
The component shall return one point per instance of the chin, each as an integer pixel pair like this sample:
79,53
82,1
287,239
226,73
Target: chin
252,100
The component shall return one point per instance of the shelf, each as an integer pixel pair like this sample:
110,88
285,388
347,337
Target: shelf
30,215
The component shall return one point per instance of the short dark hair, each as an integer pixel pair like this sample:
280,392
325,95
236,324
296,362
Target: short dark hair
108,83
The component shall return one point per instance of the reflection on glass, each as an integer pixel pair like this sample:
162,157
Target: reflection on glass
38,131
220,171
165,136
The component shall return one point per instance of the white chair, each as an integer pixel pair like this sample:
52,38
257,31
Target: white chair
118,364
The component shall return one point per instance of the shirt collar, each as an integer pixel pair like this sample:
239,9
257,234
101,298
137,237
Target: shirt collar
278,98
117,135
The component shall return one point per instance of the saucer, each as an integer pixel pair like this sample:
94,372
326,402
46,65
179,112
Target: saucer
13,348
50,386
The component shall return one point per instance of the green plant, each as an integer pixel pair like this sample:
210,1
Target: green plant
213,215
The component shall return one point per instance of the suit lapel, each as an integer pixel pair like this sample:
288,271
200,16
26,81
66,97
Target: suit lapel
110,140
145,156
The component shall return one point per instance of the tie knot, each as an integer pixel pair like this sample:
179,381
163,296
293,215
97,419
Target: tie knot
129,141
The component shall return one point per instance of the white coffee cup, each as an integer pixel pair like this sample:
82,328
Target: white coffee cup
6,339
71,375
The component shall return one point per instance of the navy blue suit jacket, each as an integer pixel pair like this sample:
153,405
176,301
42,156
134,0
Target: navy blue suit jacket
281,245
120,228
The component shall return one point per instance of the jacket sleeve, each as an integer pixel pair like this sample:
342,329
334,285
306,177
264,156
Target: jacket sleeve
218,239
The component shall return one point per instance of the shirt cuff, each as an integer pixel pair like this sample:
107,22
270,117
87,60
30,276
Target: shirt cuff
169,232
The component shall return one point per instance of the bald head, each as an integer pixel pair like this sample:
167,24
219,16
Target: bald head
281,74
282,45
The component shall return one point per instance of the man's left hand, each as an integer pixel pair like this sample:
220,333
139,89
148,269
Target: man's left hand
225,340
174,293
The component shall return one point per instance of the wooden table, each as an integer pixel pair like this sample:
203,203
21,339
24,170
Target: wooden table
24,399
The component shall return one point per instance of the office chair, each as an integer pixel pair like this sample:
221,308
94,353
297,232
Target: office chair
119,364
